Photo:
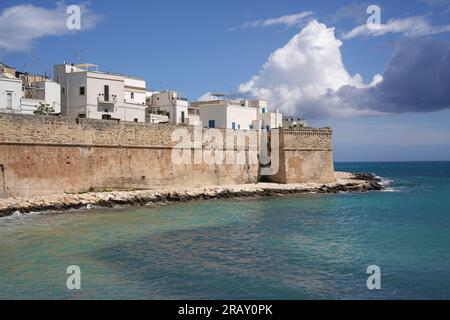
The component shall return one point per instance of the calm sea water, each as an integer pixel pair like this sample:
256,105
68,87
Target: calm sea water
296,247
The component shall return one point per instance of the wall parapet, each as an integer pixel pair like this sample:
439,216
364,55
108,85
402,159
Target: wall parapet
75,132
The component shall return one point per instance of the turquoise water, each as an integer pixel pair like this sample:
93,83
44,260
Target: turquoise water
295,247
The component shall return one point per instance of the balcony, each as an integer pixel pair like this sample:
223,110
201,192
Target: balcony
111,100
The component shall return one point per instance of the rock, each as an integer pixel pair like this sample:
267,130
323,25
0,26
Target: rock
346,182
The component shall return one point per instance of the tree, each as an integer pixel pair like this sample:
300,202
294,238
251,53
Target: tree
44,109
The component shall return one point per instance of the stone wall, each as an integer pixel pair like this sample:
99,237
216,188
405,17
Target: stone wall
49,155
44,155
306,155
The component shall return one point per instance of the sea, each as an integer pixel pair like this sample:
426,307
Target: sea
314,246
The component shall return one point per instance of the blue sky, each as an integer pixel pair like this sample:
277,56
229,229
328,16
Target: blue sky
201,46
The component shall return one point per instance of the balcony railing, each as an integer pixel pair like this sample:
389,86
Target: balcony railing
112,100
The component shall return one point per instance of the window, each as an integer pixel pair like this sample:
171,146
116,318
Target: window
106,92
212,124
82,91
135,119
233,125
8,100
63,90
132,95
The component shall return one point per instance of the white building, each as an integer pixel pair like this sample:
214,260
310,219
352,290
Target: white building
268,120
17,98
194,116
154,115
46,92
10,93
171,102
87,92
233,114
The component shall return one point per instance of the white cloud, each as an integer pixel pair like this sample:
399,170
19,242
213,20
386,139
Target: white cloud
205,97
287,20
411,27
22,24
304,76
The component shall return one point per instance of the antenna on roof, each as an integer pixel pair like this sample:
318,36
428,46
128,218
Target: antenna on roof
79,55
33,64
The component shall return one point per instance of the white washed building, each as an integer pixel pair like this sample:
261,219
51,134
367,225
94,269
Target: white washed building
10,93
45,92
17,98
87,92
234,114
268,120
154,115
171,102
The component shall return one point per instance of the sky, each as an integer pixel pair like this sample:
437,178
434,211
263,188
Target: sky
382,85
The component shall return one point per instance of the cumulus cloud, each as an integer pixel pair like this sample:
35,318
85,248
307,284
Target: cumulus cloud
307,77
22,24
287,20
302,76
410,27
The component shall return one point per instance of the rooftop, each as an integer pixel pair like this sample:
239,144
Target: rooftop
8,76
5,65
220,102
86,67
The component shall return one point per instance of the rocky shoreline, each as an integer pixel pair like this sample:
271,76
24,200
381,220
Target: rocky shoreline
345,182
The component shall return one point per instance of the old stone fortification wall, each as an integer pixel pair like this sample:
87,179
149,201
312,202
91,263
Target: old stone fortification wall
49,155
44,155
306,156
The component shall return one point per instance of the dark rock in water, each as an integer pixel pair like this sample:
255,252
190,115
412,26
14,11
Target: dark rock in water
369,177
373,182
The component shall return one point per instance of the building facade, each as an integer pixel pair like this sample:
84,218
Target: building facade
89,93
7,69
19,97
154,115
267,120
41,92
238,115
171,102
10,93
